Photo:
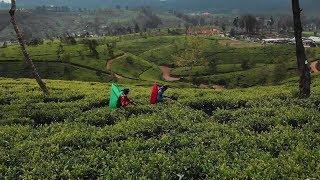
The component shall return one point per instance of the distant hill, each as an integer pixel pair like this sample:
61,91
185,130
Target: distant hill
53,24
216,5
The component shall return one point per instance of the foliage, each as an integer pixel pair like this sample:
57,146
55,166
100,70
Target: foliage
192,54
280,71
35,42
213,64
130,66
92,44
150,20
247,64
254,133
66,57
4,45
60,51
249,23
158,49
110,49
68,40
3,54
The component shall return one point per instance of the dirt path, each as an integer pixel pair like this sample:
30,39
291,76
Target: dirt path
218,87
109,67
167,75
314,66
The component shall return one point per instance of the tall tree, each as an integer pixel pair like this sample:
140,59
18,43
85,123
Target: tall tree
303,65
24,50
249,23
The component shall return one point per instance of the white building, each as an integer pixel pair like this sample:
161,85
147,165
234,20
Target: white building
315,39
277,40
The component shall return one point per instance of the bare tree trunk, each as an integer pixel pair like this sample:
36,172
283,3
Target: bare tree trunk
24,50
303,65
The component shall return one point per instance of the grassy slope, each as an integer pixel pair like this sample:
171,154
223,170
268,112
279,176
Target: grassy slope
150,50
259,133
130,66
126,44
51,70
45,58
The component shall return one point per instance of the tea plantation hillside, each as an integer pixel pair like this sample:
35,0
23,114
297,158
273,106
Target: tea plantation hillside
254,133
224,61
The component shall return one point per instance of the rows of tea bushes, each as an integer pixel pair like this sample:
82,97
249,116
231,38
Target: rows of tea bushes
254,133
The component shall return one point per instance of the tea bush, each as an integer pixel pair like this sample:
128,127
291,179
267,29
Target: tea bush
253,133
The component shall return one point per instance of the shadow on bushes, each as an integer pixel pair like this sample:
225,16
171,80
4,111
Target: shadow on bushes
210,106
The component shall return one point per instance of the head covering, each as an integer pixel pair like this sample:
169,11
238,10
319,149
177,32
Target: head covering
165,87
126,91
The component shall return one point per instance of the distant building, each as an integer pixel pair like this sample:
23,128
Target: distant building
307,42
315,39
206,14
277,41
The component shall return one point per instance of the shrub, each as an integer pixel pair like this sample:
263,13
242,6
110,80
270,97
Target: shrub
35,42
247,64
99,117
3,54
252,133
110,49
66,57
280,72
82,56
4,45
92,44
68,40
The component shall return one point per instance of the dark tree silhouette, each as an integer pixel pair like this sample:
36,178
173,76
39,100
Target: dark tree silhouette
249,23
60,51
136,28
149,18
24,50
92,44
303,65
236,22
284,24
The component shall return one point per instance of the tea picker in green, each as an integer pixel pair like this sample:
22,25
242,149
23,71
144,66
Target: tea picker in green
119,97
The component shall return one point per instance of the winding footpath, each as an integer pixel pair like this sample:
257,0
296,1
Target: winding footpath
109,67
164,69
166,74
